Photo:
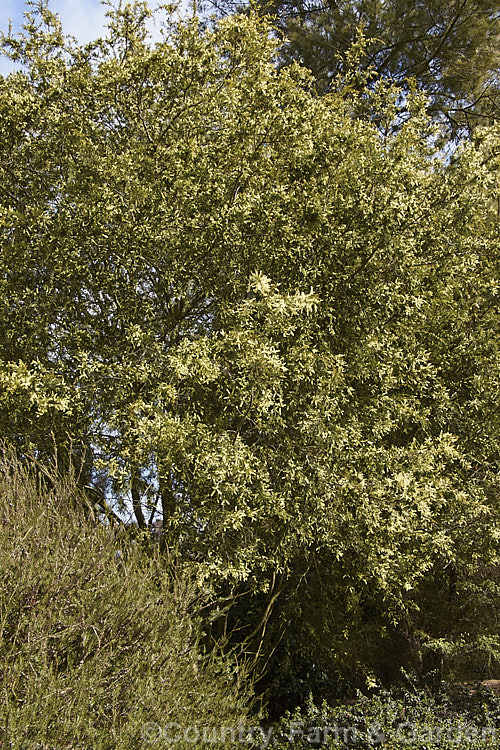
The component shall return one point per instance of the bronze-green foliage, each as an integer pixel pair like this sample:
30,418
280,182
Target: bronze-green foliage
269,319
99,638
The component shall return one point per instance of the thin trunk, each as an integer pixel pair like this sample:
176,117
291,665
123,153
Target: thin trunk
167,507
136,498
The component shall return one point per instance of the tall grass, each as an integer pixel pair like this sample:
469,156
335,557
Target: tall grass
99,634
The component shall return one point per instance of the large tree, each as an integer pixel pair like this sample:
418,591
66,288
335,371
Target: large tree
269,322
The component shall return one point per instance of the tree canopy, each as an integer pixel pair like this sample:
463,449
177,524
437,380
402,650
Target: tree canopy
451,49
270,323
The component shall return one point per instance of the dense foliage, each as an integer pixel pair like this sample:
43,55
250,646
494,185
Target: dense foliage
237,307
101,640
410,717
448,47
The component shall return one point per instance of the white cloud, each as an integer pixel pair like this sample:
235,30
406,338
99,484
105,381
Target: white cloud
83,19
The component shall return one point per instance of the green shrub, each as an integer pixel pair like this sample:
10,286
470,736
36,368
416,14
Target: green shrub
100,637
411,717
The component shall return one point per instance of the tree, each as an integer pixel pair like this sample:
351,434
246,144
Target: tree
449,48
270,320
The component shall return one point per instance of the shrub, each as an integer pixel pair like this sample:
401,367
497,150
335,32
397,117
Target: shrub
410,717
101,638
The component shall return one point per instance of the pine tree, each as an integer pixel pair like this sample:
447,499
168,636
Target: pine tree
450,48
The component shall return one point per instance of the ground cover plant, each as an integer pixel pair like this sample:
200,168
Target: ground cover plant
415,716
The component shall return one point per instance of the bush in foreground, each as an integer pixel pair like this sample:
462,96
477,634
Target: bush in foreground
100,637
